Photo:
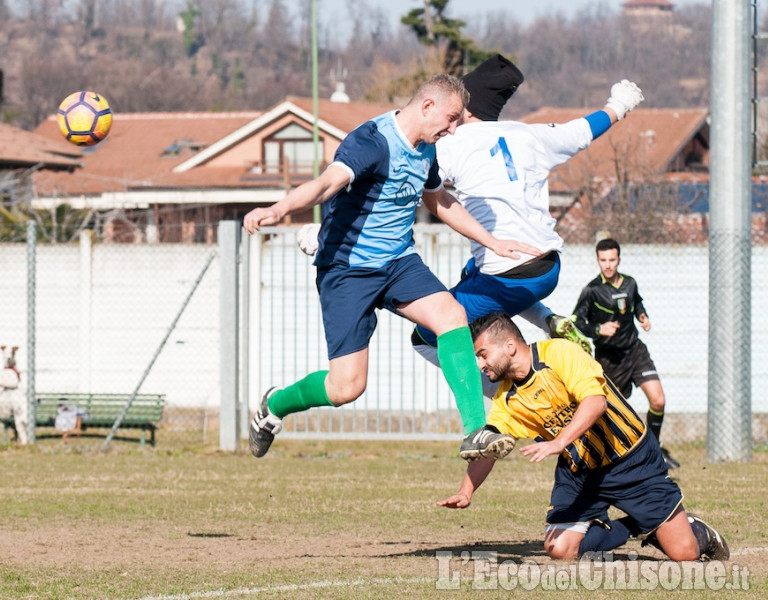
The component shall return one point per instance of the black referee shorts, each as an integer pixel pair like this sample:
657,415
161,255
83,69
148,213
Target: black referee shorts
632,365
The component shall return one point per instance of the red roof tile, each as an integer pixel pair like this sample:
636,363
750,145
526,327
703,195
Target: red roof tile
134,153
20,148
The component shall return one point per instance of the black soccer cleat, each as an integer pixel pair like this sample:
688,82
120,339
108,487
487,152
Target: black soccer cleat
713,546
484,442
264,427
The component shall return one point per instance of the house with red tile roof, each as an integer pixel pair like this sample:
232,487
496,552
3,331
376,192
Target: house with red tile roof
183,172
23,153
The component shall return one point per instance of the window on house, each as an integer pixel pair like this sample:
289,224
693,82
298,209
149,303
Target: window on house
292,144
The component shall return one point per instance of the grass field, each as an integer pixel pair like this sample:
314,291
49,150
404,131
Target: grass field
314,520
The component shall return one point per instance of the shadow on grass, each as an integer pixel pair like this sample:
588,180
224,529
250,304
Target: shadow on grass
505,550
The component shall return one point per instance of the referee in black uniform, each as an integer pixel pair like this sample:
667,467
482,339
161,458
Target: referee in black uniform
606,312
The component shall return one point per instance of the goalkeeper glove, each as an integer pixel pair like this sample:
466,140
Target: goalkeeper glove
625,96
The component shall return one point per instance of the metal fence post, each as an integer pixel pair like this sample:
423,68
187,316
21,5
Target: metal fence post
85,307
228,318
729,431
245,324
31,329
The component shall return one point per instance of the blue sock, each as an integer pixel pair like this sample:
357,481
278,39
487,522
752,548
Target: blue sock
599,539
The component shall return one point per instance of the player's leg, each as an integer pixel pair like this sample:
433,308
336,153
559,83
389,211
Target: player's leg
348,300
568,541
676,539
418,295
429,353
640,486
577,518
645,376
656,403
439,312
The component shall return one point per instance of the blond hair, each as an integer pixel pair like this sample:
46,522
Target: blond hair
444,85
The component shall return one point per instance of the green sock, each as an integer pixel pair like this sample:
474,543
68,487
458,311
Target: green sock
457,359
302,395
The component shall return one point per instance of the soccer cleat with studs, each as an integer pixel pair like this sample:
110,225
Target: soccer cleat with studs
713,545
264,427
671,462
563,327
484,442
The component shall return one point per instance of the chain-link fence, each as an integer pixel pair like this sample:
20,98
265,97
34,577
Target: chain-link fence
102,311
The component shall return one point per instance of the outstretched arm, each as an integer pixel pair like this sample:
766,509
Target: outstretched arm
451,212
476,473
307,194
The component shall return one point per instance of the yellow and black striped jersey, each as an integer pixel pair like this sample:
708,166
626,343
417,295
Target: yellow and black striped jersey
538,408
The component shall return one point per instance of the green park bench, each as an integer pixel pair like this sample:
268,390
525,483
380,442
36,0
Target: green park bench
103,409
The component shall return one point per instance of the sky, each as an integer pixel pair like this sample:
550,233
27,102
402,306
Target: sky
524,11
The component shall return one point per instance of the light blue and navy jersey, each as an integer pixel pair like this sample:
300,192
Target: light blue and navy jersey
370,222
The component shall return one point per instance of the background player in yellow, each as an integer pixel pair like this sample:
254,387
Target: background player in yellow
554,393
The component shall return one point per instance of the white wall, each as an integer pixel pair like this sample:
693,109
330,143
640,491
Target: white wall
136,291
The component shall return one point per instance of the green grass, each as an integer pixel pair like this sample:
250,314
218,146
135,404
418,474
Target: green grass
311,519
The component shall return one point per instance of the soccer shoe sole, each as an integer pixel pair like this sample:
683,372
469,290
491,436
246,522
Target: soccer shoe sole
260,440
496,450
567,330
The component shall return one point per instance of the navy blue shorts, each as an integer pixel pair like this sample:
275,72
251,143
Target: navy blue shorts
482,294
638,484
349,298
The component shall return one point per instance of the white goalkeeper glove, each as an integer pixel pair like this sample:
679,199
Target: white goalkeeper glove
625,96
306,238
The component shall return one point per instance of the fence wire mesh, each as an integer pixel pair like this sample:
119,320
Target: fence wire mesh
101,314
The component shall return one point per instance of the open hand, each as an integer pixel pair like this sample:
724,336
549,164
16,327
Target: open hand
510,249
456,501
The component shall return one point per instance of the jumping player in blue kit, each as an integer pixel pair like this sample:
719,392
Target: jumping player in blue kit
366,261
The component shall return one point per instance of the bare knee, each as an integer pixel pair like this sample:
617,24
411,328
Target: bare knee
683,551
562,544
343,390
655,394
449,315
560,551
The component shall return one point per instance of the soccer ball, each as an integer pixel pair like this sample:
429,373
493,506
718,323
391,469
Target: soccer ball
84,118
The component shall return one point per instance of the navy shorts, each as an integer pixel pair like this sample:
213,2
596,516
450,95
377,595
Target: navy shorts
638,484
625,367
349,298
482,294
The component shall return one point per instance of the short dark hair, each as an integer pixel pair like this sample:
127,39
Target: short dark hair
499,324
608,244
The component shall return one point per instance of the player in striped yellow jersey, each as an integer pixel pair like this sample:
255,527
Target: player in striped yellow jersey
540,405
557,395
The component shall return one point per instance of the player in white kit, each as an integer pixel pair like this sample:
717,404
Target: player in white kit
499,170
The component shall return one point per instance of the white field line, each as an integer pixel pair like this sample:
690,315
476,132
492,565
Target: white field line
289,588
349,583
745,551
